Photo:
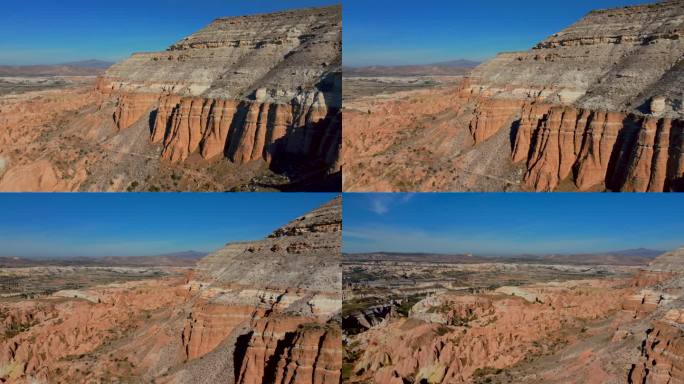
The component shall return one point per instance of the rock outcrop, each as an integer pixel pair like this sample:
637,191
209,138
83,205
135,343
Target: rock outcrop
243,131
449,338
662,346
292,351
610,60
284,295
595,111
604,330
42,339
254,312
670,262
662,351
362,320
606,149
597,106
246,104
22,131
286,259
263,87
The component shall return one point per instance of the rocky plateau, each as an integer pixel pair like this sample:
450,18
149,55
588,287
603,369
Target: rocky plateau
253,312
595,107
246,103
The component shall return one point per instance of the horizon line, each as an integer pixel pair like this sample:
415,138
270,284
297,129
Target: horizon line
511,254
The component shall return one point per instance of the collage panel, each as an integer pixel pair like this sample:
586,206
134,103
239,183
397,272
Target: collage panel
492,96
441,132
207,97
512,288
118,288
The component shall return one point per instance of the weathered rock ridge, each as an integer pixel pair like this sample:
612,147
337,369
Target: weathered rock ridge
276,57
591,102
597,106
449,338
594,148
611,60
273,319
289,288
626,329
263,87
288,257
247,104
661,350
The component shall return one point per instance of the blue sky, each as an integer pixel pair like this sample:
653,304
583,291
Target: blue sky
395,32
504,224
91,224
56,31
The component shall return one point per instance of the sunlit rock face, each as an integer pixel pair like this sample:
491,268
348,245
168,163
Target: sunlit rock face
243,100
597,106
264,87
252,312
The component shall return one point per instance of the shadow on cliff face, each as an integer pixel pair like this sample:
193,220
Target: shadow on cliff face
513,134
152,119
623,151
241,345
306,154
676,140
676,185
235,131
271,367
331,87
301,144
626,152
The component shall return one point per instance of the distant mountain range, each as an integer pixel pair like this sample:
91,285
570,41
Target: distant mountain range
177,259
90,64
630,257
446,68
76,68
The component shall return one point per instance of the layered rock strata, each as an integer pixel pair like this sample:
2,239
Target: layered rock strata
243,131
449,338
286,290
68,328
625,329
611,60
661,349
23,121
262,87
621,152
597,106
254,312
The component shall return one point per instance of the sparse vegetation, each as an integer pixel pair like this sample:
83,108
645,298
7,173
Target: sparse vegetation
15,328
442,330
132,187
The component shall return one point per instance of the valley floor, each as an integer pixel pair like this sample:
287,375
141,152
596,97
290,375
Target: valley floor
408,322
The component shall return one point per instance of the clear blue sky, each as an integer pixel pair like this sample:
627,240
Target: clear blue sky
55,31
91,224
395,32
504,224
